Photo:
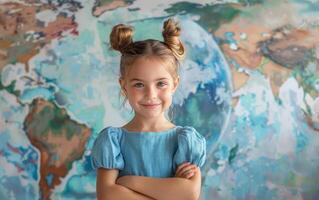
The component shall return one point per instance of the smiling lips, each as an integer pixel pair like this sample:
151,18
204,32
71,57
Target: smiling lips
150,106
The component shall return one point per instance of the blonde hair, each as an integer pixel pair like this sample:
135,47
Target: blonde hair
170,51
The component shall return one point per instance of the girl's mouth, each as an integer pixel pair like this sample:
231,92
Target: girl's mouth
150,106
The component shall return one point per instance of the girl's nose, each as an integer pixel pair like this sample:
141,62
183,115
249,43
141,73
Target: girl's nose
151,92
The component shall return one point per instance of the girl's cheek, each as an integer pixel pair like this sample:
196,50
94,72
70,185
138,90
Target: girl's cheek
136,91
166,94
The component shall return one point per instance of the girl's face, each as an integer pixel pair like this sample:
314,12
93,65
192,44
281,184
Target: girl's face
149,87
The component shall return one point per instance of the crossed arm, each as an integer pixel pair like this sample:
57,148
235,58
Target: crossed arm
146,188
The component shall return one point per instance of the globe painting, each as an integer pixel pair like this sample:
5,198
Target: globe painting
249,84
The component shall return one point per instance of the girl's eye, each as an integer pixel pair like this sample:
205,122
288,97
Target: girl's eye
138,85
161,84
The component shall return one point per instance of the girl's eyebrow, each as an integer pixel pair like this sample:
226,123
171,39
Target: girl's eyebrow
136,79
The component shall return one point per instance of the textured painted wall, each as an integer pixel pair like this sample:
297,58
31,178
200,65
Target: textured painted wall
249,84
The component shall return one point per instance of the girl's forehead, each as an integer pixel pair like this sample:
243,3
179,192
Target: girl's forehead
148,69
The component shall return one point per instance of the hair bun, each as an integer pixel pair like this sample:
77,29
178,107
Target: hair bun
171,33
121,37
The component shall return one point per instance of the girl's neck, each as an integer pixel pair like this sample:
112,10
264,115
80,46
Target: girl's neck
142,124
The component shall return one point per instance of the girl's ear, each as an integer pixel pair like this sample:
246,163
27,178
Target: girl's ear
121,81
176,83
122,84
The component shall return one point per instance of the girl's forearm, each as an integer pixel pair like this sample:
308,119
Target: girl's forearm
119,192
163,188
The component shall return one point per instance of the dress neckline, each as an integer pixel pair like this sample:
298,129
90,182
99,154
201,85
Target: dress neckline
149,132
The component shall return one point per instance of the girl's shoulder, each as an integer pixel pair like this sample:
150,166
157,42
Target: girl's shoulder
110,130
189,136
191,146
108,133
106,150
188,131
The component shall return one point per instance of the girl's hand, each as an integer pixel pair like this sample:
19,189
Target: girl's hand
124,181
186,170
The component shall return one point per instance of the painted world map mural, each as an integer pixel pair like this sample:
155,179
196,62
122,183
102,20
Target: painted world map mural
249,84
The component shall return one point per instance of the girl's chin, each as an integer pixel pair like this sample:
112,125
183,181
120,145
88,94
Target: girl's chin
151,112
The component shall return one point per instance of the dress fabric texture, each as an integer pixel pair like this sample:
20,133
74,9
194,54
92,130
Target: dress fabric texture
152,154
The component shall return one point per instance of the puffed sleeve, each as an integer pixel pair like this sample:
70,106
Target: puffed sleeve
191,147
106,151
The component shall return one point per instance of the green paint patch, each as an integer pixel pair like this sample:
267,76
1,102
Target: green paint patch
211,16
10,88
193,117
54,120
261,67
250,2
233,153
23,49
308,74
103,2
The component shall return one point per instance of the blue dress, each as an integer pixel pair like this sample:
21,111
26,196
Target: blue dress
152,154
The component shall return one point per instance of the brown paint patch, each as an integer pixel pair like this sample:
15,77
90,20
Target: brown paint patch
247,54
24,58
58,147
5,44
16,20
234,101
57,27
277,75
312,122
99,10
238,80
296,37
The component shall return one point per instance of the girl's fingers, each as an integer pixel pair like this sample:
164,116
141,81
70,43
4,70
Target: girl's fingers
190,175
181,166
188,169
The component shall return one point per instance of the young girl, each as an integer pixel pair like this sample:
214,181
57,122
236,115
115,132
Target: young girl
149,157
